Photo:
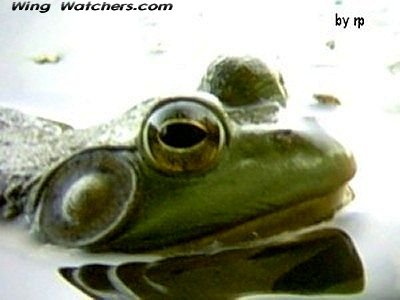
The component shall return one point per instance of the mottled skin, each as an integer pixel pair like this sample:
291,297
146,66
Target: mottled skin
265,177
30,145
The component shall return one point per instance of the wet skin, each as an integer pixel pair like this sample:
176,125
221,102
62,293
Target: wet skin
181,172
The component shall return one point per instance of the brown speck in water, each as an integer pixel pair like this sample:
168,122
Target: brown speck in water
326,99
47,59
330,44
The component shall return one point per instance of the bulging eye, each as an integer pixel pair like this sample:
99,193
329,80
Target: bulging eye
184,134
85,198
241,81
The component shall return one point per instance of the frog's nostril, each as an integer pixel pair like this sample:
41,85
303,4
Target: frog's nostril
182,135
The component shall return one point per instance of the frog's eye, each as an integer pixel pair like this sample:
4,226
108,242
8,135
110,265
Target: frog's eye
85,198
184,135
241,81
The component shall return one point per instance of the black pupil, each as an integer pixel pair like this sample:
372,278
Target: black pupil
182,135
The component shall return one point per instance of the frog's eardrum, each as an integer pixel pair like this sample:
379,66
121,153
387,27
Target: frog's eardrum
86,198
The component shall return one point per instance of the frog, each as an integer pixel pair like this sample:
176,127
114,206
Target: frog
213,168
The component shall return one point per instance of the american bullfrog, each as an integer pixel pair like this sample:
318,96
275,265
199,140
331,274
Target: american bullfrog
215,167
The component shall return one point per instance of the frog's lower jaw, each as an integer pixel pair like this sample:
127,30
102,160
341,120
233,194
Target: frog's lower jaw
294,217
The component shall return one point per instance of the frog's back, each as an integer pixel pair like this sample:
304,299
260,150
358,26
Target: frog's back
22,139
29,146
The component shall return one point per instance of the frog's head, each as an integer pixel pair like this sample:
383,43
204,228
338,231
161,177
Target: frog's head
193,177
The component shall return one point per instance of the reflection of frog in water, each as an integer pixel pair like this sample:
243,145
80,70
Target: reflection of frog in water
185,171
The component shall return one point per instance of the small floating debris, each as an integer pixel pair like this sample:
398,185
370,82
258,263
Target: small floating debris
327,99
330,44
394,68
47,59
157,49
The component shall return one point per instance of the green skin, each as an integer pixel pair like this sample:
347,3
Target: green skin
267,178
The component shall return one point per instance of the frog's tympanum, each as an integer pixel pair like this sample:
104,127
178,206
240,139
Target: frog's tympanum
216,168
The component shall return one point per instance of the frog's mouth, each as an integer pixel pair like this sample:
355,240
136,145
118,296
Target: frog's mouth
293,218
